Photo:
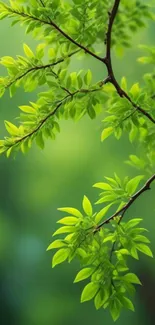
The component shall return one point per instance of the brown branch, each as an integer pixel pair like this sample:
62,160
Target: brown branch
124,209
106,60
108,63
58,29
52,113
41,67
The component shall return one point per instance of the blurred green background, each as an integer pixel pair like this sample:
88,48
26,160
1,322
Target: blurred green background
33,186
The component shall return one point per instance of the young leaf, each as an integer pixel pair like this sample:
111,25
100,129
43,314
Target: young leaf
64,230
89,291
84,274
103,186
87,207
131,278
102,213
144,249
72,211
133,184
106,133
60,256
115,309
127,303
69,221
56,244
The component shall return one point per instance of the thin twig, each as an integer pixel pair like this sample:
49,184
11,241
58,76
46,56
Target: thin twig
124,209
58,29
40,67
108,63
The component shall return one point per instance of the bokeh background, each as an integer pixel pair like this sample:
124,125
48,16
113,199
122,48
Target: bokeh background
33,186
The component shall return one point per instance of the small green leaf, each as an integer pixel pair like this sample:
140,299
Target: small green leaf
124,84
142,239
144,249
135,90
27,109
134,253
60,256
115,309
87,207
89,291
106,133
56,244
102,213
84,274
88,78
133,184
40,140
131,278
11,128
69,221
63,230
132,223
28,51
98,301
103,186
127,303
72,211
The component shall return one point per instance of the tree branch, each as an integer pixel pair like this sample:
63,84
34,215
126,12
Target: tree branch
41,67
106,60
108,63
58,29
124,209
52,113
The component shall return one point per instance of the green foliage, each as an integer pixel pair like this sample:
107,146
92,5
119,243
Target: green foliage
103,253
67,29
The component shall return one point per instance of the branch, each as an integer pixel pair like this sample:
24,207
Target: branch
108,63
124,209
52,113
58,29
41,67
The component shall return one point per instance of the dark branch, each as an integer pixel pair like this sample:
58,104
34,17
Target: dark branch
40,67
52,113
124,209
108,63
60,31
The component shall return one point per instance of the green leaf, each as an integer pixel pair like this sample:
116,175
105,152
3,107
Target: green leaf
124,84
68,221
63,230
88,78
11,128
28,51
132,223
27,109
103,186
60,256
144,249
142,239
115,309
72,211
40,140
102,213
135,90
127,303
133,184
98,301
87,207
84,274
134,253
56,244
131,278
106,133
89,291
